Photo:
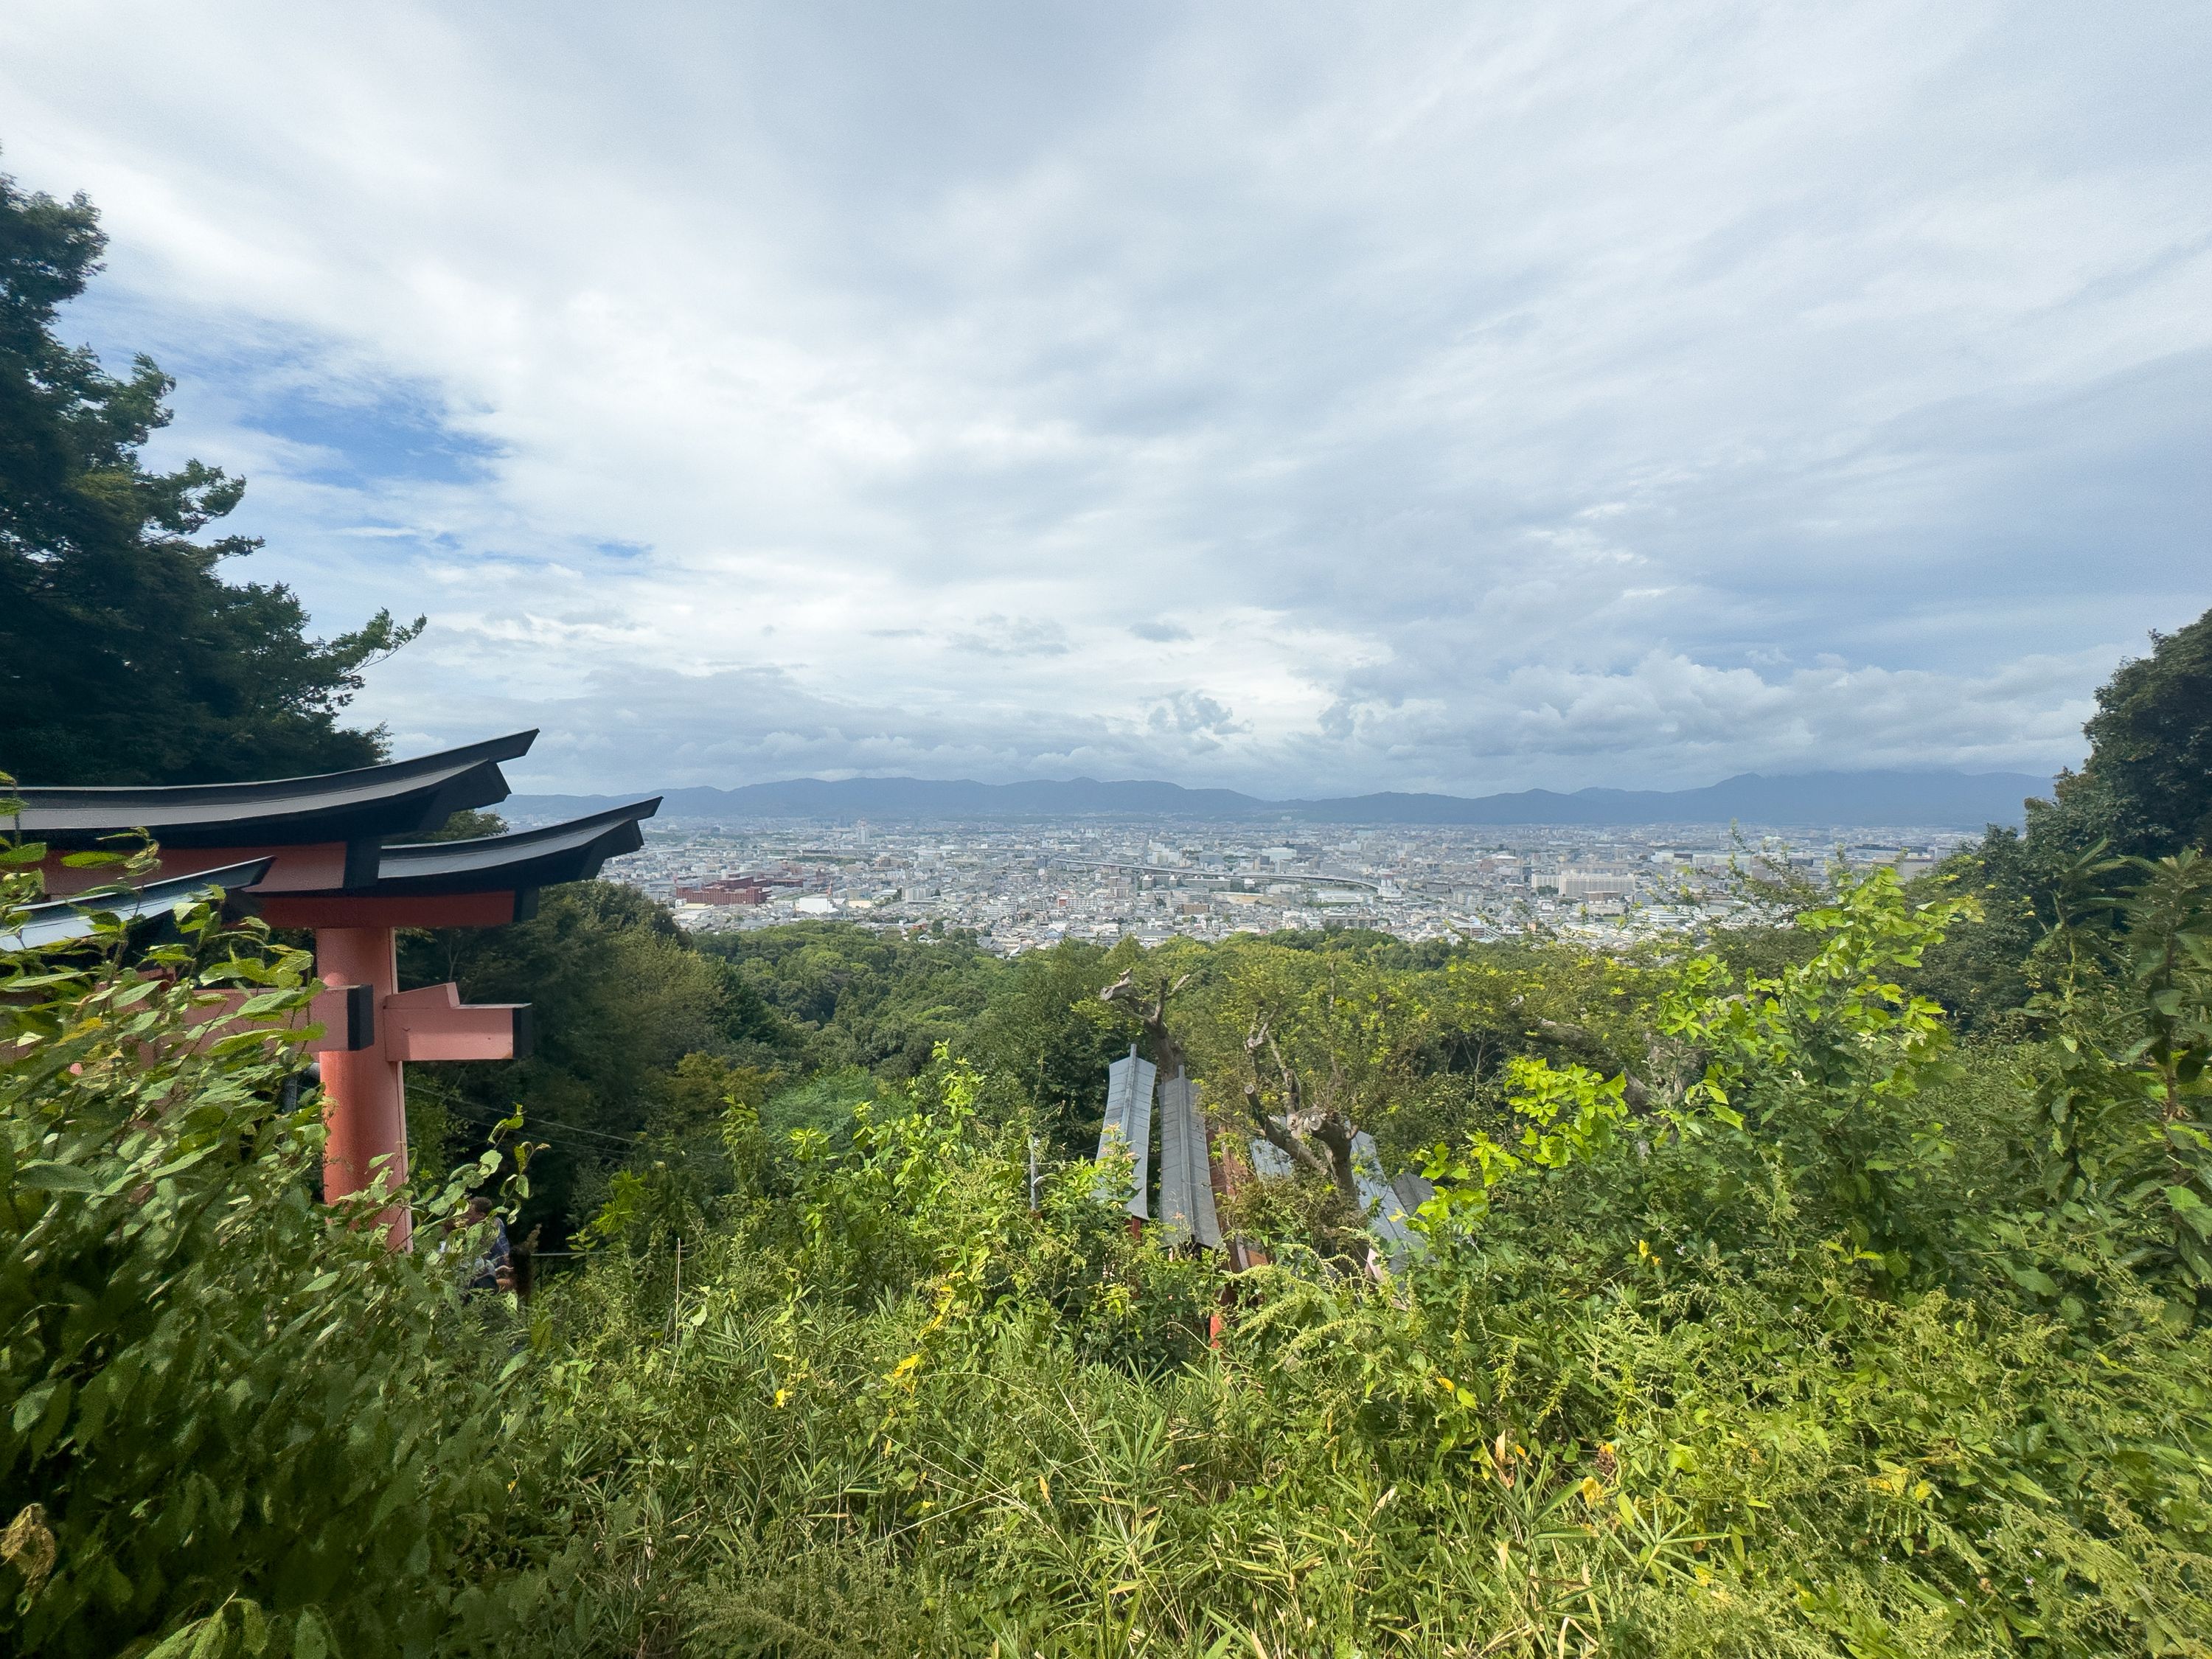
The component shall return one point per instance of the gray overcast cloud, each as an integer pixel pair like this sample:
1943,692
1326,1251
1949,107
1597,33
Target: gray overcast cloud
1307,398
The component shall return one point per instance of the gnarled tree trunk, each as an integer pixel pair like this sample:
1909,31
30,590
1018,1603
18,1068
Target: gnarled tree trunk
1315,1136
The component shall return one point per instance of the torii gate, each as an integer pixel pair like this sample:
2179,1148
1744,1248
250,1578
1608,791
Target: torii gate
318,844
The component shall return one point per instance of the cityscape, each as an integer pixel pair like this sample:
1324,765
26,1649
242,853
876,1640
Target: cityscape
1028,885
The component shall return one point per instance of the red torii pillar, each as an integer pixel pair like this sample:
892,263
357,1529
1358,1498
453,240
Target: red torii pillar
364,1086
365,1089
364,1092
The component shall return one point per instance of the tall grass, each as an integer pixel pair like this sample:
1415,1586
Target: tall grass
1839,1344
1550,1441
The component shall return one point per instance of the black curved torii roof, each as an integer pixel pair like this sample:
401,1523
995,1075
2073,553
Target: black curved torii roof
396,799
358,808
573,851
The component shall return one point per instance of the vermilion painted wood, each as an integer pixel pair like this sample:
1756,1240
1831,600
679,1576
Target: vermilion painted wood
434,1024
331,870
372,910
364,1094
329,1011
365,1090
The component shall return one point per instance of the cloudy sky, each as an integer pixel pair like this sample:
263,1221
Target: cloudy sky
1304,397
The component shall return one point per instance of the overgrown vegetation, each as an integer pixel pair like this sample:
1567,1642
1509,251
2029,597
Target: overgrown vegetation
1753,1316
1796,1354
228,1411
1844,1288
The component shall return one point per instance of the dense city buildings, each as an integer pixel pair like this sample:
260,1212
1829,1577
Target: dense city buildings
1018,885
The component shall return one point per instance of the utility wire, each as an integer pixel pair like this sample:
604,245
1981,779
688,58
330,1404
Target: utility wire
556,1130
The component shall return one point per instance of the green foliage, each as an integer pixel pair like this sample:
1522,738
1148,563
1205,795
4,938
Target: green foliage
2126,1137
1754,1314
2149,774
1807,1080
1753,1317
880,1001
827,1104
619,998
857,1000
1569,1115
1784,1351
466,825
124,657
2145,791
1821,1069
1045,1039
231,1420
1982,972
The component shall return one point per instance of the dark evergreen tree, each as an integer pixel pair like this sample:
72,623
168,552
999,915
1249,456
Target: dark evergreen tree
2147,784
2145,791
125,656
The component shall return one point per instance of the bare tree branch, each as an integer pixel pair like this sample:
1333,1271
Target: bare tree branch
1316,1140
1276,1128
1167,1053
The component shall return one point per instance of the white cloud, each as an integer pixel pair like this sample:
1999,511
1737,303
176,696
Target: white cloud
1345,399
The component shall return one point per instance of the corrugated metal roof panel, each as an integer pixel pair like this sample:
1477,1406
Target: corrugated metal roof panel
1127,1131
1269,1161
1185,1182
1386,1211
60,921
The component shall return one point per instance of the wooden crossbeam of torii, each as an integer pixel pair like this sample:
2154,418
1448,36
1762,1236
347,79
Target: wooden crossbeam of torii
366,1088
433,1022
314,853
369,1033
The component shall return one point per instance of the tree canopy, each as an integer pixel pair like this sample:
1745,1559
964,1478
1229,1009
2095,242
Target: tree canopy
124,656
1750,1316
2144,792
2150,764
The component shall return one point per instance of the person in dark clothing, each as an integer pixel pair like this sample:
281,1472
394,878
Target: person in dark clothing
492,1268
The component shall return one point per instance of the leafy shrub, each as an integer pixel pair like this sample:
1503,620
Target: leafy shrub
1739,1362
234,1419
1792,1330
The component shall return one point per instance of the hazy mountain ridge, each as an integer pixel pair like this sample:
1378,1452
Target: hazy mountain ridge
1931,799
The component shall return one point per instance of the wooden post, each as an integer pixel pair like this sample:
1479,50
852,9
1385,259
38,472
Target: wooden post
365,1089
364,1093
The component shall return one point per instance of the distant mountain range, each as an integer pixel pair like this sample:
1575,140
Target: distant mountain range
1961,801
